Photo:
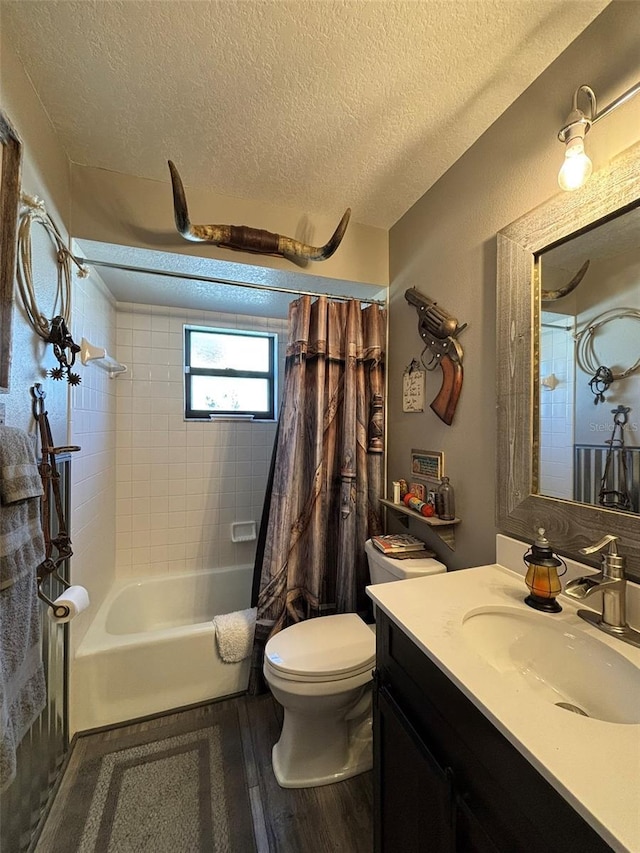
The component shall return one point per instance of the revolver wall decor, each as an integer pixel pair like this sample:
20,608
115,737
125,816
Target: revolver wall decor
439,331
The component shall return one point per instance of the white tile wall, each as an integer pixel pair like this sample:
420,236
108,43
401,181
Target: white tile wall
93,428
180,485
557,412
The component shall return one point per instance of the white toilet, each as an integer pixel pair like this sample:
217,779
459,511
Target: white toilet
320,672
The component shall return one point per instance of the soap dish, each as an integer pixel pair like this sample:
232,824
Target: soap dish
243,531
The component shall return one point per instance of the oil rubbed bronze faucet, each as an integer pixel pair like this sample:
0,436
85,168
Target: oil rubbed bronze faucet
611,581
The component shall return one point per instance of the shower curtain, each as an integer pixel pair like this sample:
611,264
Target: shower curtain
327,470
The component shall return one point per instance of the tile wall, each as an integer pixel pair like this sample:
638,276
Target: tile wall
557,409
93,428
179,485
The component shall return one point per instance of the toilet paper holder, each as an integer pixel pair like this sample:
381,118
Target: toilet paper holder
45,569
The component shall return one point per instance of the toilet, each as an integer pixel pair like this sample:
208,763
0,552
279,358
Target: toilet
320,672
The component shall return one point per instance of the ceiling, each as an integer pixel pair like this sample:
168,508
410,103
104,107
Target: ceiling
314,105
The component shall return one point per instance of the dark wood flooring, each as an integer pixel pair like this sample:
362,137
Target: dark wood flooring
328,819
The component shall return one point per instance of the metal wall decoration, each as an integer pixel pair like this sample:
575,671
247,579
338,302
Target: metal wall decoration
246,239
53,330
11,154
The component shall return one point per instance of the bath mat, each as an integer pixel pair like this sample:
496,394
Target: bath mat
177,787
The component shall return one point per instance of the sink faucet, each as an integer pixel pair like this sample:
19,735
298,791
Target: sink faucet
611,581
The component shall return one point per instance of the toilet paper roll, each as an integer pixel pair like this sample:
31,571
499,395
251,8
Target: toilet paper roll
75,598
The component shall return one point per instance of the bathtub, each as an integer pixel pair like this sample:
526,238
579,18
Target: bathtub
151,647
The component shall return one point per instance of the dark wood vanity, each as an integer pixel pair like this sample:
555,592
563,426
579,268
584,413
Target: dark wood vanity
445,778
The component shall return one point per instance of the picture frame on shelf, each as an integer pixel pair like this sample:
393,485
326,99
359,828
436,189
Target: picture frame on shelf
427,465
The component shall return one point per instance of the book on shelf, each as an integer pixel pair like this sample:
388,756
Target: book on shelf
395,543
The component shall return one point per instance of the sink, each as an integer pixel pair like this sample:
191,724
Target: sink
559,663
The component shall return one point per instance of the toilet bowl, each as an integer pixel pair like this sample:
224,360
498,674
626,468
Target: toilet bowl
320,671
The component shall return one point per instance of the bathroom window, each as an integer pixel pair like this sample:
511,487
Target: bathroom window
229,372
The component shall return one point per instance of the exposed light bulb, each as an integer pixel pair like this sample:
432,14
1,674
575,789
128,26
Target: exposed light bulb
576,167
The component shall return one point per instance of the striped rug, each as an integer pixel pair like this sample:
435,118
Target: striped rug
174,788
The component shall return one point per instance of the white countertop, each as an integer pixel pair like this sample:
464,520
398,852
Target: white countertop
595,765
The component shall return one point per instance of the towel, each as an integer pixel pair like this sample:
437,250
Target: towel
21,540
234,634
19,475
22,682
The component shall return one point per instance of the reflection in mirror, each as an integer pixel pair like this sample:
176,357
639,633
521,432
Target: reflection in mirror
589,367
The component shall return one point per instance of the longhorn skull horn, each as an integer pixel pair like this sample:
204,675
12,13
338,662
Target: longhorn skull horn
248,239
550,295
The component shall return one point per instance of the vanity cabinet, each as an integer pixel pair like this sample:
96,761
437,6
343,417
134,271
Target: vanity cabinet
446,779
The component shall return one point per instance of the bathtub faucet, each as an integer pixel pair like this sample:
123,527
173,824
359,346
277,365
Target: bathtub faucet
611,581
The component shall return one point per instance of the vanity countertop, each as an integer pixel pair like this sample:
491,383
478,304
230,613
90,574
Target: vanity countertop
595,765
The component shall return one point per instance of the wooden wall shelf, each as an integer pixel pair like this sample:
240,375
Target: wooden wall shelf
444,529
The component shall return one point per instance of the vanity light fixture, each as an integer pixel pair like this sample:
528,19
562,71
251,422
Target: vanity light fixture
577,166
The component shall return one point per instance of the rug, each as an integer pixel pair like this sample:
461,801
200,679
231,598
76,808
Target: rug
175,788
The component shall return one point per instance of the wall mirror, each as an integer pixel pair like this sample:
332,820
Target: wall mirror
10,154
538,254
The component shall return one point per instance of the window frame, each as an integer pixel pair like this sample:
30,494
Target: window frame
270,375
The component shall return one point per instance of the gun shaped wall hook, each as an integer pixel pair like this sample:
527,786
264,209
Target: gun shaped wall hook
439,331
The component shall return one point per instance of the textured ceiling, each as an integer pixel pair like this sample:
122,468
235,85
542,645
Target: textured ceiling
311,104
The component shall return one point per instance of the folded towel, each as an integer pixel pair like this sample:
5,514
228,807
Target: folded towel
22,683
19,475
21,540
234,634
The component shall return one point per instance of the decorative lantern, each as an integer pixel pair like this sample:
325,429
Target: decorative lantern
542,575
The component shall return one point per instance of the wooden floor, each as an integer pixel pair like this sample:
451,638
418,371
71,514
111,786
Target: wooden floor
305,820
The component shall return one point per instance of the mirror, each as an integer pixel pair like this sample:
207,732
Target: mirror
589,366
10,153
522,504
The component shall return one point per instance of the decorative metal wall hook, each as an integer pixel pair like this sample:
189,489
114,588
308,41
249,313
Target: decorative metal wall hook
610,497
600,382
51,480
60,338
45,570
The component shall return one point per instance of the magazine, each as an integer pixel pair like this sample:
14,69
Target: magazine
393,543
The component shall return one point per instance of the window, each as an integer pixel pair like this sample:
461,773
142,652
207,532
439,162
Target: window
229,372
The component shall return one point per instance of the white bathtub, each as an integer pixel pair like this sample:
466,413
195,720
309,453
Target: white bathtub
151,647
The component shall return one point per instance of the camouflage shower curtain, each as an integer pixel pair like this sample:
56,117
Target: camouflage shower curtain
327,468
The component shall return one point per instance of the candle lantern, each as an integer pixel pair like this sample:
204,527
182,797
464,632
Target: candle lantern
542,575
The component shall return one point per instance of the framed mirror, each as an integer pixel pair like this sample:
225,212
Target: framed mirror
11,153
567,220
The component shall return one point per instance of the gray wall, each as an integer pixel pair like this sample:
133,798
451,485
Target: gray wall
445,246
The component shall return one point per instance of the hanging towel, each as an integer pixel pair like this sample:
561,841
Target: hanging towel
234,634
22,683
21,540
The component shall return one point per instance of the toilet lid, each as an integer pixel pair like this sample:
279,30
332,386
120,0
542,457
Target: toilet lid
324,648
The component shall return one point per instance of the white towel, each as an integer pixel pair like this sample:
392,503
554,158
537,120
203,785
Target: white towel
234,634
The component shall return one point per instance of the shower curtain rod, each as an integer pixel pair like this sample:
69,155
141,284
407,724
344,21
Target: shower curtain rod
559,328
271,288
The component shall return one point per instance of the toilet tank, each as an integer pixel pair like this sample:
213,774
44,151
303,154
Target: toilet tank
383,569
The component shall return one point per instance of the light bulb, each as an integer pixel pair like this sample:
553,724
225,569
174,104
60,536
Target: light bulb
576,167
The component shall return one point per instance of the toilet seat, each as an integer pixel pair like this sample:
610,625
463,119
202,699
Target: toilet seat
327,648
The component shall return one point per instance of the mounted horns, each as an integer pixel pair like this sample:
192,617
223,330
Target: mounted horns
248,239
550,295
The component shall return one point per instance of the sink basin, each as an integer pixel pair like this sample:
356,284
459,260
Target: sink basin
559,663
